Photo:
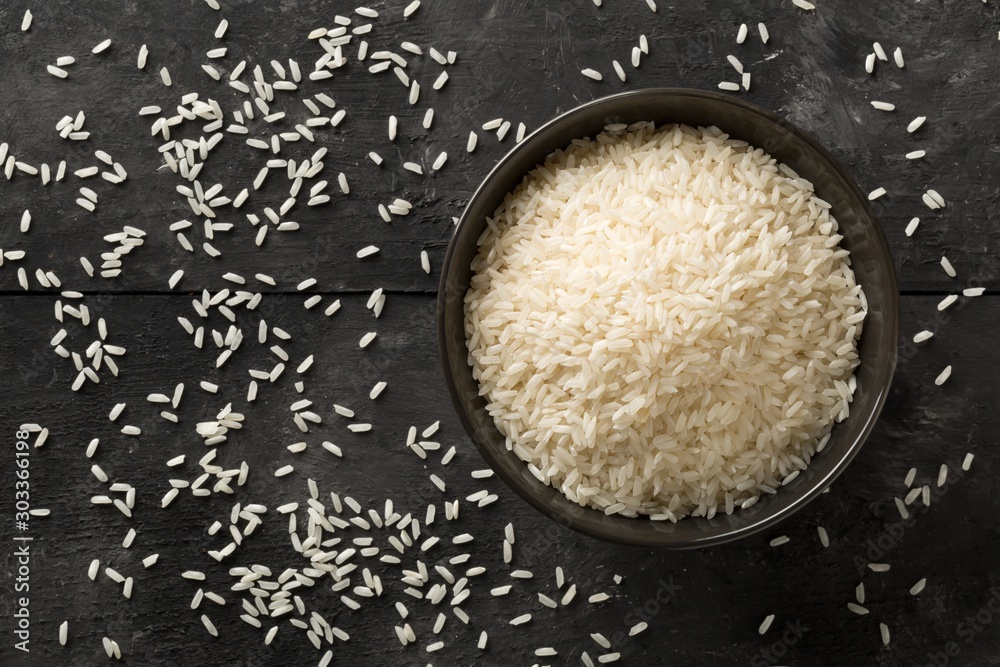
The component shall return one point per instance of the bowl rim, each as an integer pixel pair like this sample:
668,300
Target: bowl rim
656,540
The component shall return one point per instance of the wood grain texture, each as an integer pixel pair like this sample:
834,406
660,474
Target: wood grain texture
712,601
519,61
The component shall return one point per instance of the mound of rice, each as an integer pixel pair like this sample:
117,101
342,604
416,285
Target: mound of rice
663,323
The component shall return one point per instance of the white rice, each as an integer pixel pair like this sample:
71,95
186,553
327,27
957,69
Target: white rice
918,587
207,622
766,624
618,70
901,508
942,472
948,268
883,106
624,439
741,35
916,123
947,301
592,74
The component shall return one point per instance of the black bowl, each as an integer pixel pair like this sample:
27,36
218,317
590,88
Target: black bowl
870,259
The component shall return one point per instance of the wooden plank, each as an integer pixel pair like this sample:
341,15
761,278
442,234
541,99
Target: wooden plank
695,602
519,61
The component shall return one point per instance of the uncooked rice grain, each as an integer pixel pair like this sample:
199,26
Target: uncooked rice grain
625,438
947,301
942,473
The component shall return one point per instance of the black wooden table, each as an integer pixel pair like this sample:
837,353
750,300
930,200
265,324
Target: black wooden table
518,61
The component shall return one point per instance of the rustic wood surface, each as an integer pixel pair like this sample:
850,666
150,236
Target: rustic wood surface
520,61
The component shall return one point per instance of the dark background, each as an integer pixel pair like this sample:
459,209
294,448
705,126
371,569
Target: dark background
520,61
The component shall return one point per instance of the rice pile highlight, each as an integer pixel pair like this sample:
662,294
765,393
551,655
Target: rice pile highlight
662,321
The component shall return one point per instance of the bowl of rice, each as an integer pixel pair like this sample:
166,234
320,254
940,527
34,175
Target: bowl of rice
668,318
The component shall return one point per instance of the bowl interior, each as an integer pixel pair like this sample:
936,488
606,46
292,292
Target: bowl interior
870,259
